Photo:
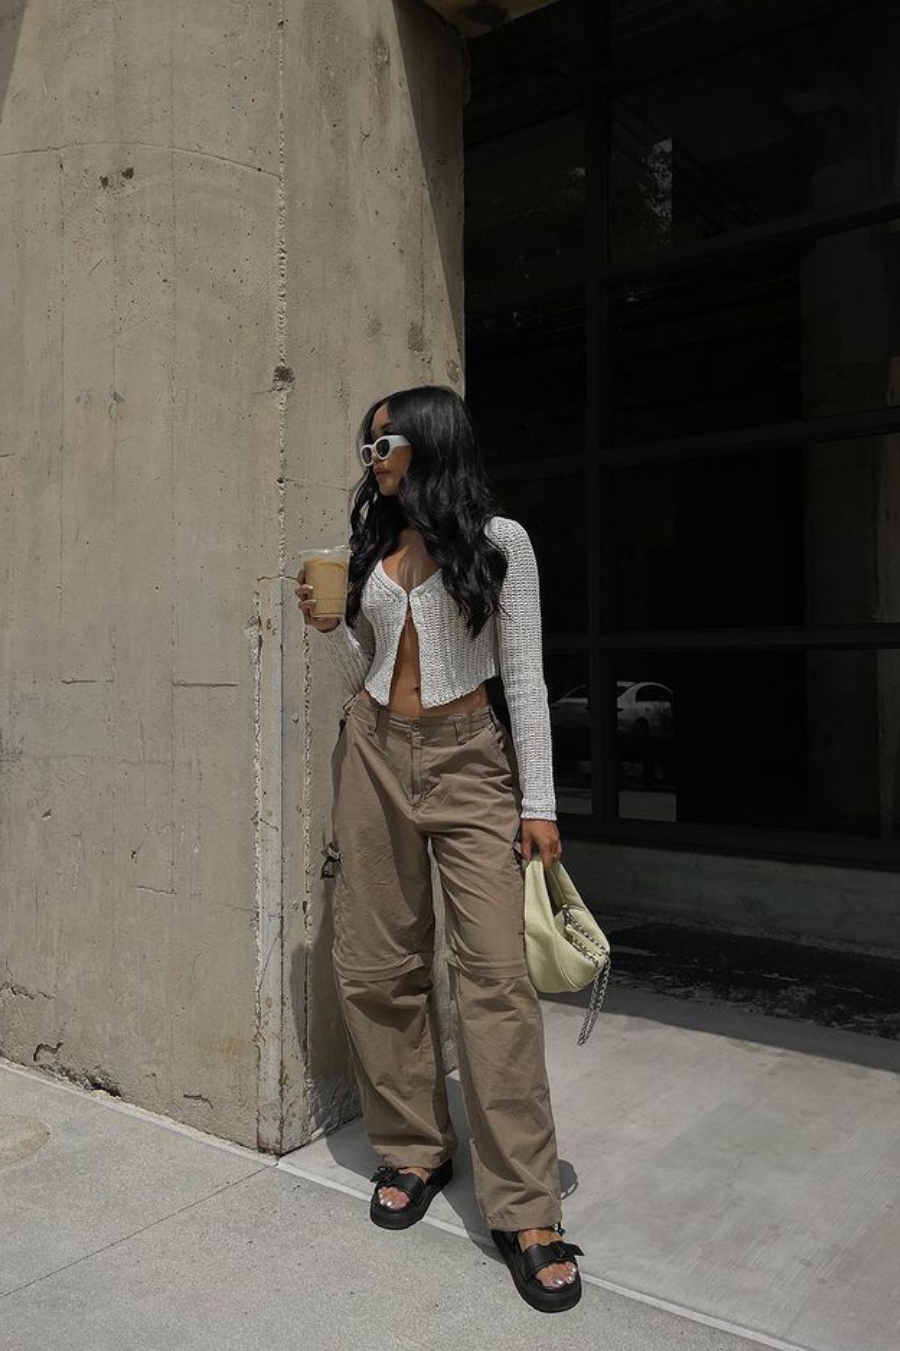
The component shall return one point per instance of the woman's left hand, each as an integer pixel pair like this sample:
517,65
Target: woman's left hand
542,836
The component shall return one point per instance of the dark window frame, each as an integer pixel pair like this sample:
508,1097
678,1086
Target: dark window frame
603,643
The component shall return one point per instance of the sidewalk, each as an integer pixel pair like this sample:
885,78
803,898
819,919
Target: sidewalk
731,1177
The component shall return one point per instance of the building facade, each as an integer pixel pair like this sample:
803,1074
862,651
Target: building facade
682,246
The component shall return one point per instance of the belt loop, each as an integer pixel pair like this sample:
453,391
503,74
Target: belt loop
460,737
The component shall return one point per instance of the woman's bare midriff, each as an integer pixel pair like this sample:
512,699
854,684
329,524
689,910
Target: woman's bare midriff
411,566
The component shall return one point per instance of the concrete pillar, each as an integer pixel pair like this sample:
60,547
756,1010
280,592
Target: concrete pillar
227,226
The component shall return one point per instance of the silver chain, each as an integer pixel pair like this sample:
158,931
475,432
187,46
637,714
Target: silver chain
601,979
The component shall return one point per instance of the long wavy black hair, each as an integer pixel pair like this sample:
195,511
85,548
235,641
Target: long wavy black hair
444,494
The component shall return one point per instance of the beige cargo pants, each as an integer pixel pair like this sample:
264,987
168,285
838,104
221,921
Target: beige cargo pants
451,779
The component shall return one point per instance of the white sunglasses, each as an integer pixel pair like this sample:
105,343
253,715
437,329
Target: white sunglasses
380,448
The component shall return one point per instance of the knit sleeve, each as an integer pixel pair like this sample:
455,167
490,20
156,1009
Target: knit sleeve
351,651
521,666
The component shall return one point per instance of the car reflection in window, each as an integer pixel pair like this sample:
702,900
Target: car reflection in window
571,731
643,708
645,723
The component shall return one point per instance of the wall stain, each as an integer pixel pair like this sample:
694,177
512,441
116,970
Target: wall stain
415,337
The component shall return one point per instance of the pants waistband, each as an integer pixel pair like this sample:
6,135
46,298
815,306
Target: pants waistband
434,727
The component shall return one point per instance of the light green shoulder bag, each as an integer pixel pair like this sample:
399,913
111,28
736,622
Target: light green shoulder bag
565,948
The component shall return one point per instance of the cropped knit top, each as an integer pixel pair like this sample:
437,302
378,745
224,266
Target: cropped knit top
452,662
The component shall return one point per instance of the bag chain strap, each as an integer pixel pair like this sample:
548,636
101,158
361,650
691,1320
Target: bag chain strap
601,979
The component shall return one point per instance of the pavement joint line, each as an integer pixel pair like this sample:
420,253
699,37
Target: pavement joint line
264,1161
126,1238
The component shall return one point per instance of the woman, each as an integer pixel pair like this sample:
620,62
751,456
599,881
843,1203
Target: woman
443,595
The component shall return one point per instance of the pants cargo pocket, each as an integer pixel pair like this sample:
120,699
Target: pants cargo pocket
519,856
332,858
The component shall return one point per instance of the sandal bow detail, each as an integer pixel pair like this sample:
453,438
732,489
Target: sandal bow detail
539,1255
421,1194
385,1174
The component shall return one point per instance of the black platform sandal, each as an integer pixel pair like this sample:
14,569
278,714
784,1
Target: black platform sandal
525,1263
421,1194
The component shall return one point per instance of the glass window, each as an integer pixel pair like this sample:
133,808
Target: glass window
658,693
800,740
791,536
787,124
706,350
709,543
645,735
525,385
524,201
567,691
803,330
554,512
724,117
523,237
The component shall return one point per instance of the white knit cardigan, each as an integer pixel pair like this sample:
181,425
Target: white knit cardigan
452,663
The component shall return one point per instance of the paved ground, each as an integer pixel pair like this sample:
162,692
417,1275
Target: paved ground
731,1176
763,975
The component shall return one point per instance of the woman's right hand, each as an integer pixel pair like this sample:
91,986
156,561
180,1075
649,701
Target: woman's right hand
307,600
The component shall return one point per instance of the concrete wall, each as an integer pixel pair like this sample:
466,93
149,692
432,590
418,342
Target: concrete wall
227,226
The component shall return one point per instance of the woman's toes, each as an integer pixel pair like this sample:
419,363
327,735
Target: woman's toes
554,1277
393,1198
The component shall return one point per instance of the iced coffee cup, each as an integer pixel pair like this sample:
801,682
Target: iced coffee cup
326,571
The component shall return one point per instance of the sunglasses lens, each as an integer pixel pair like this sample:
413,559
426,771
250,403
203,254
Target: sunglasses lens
382,447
